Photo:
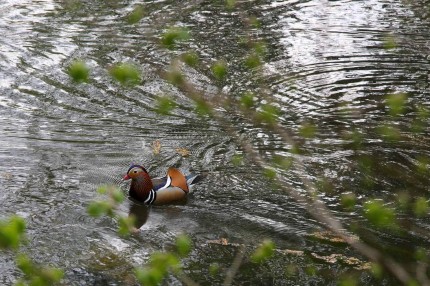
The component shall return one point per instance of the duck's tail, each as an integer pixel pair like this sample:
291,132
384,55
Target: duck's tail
193,179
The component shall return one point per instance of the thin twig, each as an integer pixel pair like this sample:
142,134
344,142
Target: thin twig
231,272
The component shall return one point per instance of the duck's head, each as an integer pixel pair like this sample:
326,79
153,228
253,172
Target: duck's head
135,171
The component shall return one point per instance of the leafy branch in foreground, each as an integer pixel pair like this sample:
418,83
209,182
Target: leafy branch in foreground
12,235
160,264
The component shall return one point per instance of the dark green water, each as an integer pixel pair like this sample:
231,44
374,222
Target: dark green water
326,64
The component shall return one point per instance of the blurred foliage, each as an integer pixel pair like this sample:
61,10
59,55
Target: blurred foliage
165,105
247,100
136,15
219,70
263,252
396,103
389,42
126,74
421,207
348,201
12,235
190,58
378,214
175,77
108,207
173,36
268,113
35,275
307,130
203,108
12,232
230,4
78,71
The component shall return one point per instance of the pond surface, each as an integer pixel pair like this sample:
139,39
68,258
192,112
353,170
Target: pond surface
327,63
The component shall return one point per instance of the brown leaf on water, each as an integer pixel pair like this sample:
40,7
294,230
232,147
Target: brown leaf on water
328,236
339,258
7,176
156,147
183,152
291,252
223,241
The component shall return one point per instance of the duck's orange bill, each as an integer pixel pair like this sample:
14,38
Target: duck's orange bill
126,177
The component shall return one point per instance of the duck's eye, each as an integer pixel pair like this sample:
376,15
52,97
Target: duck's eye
135,172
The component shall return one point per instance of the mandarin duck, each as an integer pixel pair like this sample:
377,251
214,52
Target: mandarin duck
173,187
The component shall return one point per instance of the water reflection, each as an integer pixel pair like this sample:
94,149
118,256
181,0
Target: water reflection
139,213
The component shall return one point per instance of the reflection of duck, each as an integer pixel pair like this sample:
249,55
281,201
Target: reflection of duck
140,213
171,188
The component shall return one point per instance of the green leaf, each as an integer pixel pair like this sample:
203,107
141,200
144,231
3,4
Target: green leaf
126,74
203,108
214,268
389,132
237,159
268,113
253,61
148,276
421,207
377,270
164,261
219,69
396,103
254,22
12,232
190,58
307,130
97,209
269,173
126,225
174,35
421,254
283,162
378,214
389,42
247,100
348,201
25,265
136,15
183,245
263,252
230,4
175,77
78,71
165,105
52,275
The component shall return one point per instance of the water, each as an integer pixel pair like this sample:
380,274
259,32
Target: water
326,64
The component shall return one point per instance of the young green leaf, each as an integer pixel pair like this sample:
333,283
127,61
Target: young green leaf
307,130
12,232
136,15
396,103
378,214
126,225
174,35
268,113
421,207
190,58
219,70
165,105
263,252
126,74
78,71
183,245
